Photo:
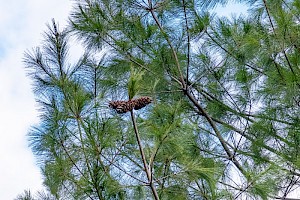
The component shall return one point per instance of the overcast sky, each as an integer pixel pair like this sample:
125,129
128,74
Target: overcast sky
22,23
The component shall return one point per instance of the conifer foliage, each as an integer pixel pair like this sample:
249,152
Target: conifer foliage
212,109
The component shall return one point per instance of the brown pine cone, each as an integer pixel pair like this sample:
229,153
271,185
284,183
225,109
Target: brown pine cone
126,106
141,102
114,104
121,106
130,105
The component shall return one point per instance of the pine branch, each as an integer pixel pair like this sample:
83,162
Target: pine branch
122,170
283,49
165,171
231,54
218,134
182,81
147,170
189,43
78,121
76,166
152,158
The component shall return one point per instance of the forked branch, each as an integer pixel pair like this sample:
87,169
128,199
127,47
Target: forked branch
146,168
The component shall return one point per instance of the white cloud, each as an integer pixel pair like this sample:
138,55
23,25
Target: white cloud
22,24
231,9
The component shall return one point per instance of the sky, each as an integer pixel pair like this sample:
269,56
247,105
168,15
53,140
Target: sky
22,23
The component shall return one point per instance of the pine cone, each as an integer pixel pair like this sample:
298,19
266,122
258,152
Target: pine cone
125,106
115,104
121,106
141,102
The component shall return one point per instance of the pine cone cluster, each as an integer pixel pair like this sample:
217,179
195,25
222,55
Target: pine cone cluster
125,106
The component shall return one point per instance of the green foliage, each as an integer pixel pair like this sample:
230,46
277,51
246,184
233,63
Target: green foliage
39,195
224,120
25,196
134,83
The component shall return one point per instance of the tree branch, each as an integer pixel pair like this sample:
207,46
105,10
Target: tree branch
189,43
183,83
218,134
146,168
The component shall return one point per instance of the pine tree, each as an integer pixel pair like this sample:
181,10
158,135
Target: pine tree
40,195
25,196
183,105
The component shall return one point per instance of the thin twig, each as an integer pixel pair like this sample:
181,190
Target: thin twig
128,174
189,43
183,83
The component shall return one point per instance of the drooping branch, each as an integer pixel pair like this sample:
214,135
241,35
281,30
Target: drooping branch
218,134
